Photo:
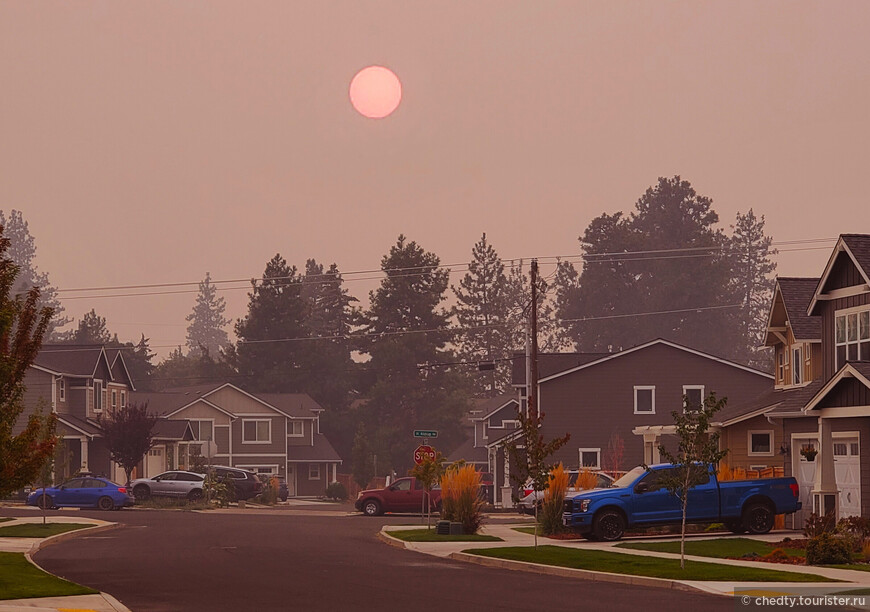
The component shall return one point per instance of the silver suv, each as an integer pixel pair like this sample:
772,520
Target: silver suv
176,483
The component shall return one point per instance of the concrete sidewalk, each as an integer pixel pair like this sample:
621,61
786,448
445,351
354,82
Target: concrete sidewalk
851,578
99,602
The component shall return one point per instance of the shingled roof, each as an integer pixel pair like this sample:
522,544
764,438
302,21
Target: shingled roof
321,451
859,245
797,293
550,363
70,359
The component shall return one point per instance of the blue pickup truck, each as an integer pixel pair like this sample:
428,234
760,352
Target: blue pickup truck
638,499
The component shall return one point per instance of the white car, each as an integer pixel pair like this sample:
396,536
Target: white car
176,483
526,505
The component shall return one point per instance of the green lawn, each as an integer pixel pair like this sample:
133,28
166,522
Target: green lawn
20,579
636,565
38,530
3,519
861,567
427,535
722,548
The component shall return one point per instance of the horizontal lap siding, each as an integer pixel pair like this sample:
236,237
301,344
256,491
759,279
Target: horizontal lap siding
307,487
736,439
595,402
278,442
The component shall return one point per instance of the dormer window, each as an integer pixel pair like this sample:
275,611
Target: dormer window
797,362
780,365
62,393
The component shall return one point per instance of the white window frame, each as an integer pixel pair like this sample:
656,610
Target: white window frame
597,452
98,395
758,467
652,403
291,426
797,364
749,433
123,399
311,468
484,435
114,399
245,441
62,395
808,351
198,430
844,313
780,364
693,387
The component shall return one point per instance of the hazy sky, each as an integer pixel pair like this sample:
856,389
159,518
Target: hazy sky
150,142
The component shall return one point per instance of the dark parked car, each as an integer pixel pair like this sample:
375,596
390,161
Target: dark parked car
85,492
246,483
176,483
404,495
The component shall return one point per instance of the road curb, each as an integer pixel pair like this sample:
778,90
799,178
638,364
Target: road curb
42,543
388,539
568,572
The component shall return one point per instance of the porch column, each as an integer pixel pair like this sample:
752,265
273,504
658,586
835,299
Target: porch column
825,495
84,454
506,501
651,448
334,472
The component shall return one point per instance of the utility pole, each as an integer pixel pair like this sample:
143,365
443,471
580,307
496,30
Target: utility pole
533,357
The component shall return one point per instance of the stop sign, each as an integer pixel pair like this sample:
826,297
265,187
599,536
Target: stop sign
423,451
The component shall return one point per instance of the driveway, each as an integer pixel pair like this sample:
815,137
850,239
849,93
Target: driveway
312,558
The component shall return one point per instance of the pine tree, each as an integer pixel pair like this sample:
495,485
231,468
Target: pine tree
206,330
23,324
139,363
412,389
752,286
92,330
484,318
273,336
22,251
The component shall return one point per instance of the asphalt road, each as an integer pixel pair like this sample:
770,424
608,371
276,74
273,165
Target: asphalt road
296,560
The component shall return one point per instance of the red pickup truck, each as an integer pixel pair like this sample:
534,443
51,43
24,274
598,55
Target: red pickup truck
403,495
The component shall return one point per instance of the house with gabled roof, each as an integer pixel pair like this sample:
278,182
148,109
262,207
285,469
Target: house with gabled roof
491,418
596,397
78,383
269,433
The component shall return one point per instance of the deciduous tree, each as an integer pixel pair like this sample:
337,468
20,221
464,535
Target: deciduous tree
26,441
127,432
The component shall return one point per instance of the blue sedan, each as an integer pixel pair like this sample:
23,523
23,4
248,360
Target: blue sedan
82,493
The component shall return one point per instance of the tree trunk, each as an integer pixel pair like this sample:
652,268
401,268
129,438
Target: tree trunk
536,521
685,501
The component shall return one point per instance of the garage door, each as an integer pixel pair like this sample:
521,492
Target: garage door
847,471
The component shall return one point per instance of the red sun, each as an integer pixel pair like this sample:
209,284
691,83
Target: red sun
375,92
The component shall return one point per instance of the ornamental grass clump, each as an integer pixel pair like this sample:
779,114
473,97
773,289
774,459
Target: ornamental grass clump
550,517
586,479
460,498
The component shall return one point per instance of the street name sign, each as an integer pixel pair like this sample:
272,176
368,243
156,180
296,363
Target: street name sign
423,433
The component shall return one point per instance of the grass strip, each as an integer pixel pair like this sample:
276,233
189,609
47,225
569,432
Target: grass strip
429,535
38,530
636,565
3,519
722,548
20,579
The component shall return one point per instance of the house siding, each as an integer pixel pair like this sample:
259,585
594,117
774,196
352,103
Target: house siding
596,402
276,445
307,487
848,392
735,438
307,431
829,309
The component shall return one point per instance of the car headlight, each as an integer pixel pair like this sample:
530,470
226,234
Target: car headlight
584,504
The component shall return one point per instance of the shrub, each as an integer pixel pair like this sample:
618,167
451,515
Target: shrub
550,514
336,490
828,549
269,495
460,497
865,550
585,480
817,525
218,490
855,530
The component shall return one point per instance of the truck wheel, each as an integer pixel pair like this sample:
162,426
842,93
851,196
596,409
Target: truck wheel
758,518
735,526
371,507
609,525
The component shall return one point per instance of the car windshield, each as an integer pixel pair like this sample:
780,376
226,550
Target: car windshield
629,478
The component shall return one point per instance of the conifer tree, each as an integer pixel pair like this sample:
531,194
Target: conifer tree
92,330
206,331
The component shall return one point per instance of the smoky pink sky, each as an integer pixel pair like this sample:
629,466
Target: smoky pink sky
150,142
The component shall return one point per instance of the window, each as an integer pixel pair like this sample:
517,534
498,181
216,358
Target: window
114,399
644,399
852,336
313,471
693,397
123,399
797,362
484,435
202,430
63,389
758,467
98,396
256,431
590,458
295,429
780,364
401,485
760,443
840,449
